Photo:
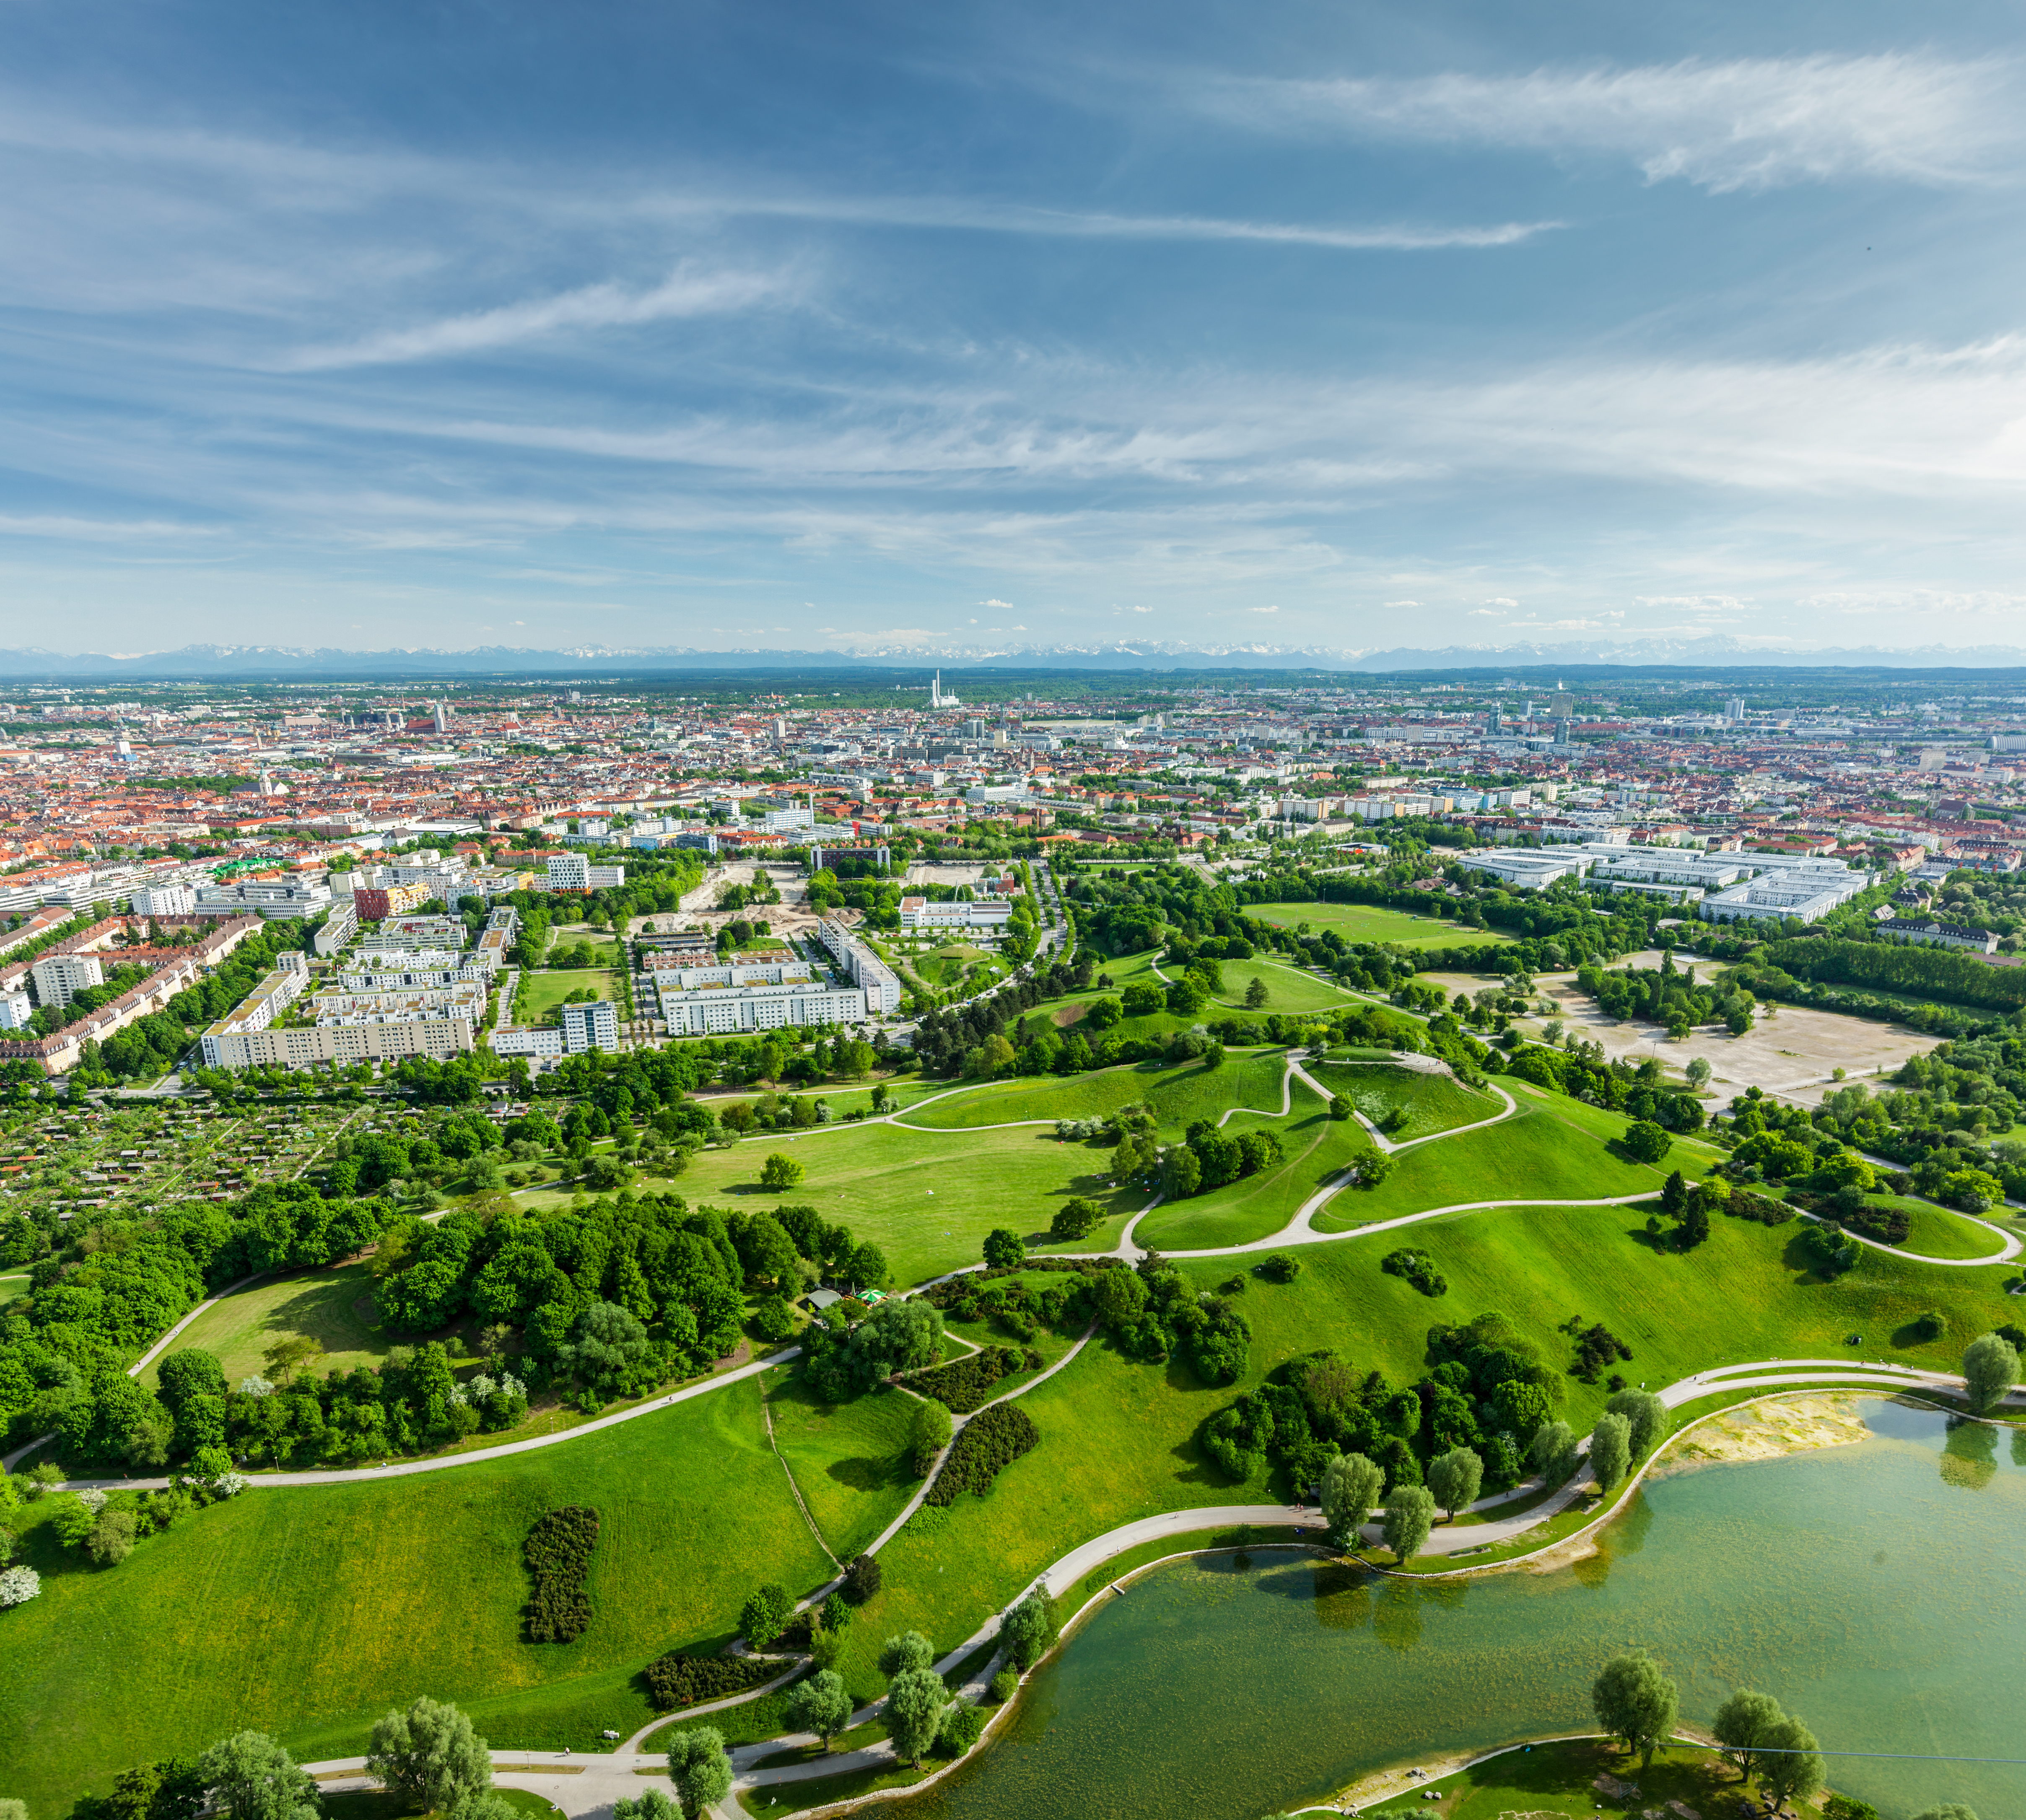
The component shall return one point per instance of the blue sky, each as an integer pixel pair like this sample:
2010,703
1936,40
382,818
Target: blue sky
852,325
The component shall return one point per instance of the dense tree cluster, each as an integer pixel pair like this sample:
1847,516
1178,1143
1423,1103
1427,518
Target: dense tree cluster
991,1441
559,1551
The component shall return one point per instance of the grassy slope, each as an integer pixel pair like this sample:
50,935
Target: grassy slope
851,1461
1371,922
320,1303
1432,1102
1178,1094
1315,1148
307,1612
1936,1232
927,1199
1536,1153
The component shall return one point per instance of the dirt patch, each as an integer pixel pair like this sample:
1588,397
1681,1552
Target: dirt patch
1792,1052
1767,1432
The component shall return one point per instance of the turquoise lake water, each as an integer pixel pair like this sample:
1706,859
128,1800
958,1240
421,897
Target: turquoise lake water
1877,1591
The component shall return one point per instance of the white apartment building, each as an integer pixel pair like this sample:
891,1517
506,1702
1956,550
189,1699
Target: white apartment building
595,1025
463,1002
276,899
164,900
400,969
990,914
60,977
573,872
863,968
527,1040
670,975
339,1045
339,928
256,1012
15,1010
724,1011
1806,890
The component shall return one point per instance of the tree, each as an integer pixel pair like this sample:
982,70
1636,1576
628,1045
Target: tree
911,1650
1074,1218
1552,1453
1698,1072
1004,1249
1634,1700
862,1579
1340,1108
821,1704
898,1335
1454,1479
1255,994
1031,1627
1181,1174
929,1433
1119,1297
1790,1768
1610,1449
779,1171
1350,1490
651,1804
251,1778
1990,1367
1373,1169
765,1615
112,1538
1523,1407
1646,1142
1410,1514
430,1756
1674,1196
914,1703
1741,1723
1645,1415
1695,1226
606,1348
699,1768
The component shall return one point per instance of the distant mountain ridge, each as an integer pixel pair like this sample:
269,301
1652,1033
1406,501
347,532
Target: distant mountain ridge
251,662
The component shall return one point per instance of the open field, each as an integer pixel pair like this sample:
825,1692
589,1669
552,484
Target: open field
12,1288
1537,1153
1792,1052
851,1461
1935,1232
1179,1094
1427,1103
1371,923
541,993
927,1199
307,1613
334,1307
1289,989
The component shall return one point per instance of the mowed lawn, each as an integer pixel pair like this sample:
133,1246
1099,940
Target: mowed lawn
1290,990
1373,923
852,1460
308,1612
1534,1155
927,1199
334,1307
541,992
1180,1096
1430,1103
1935,1232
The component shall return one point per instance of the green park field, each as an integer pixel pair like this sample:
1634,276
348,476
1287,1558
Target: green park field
1426,1103
1371,922
541,993
332,1307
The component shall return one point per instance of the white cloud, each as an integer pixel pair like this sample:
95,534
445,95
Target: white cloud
1403,603
1501,600
1266,610
1007,604
1484,612
1751,123
687,291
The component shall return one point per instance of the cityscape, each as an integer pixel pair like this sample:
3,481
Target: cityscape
1056,914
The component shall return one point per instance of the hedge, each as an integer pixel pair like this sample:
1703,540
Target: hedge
966,1383
675,1680
558,1554
994,1438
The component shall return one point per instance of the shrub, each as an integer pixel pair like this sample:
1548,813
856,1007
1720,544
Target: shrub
765,1615
1647,1141
558,1556
1930,1325
675,1680
960,1730
18,1585
995,1438
1418,1270
1597,1347
968,1383
773,1321
862,1579
1282,1267
1005,1684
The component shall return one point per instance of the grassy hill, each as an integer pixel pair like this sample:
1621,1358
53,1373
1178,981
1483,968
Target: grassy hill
1371,923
